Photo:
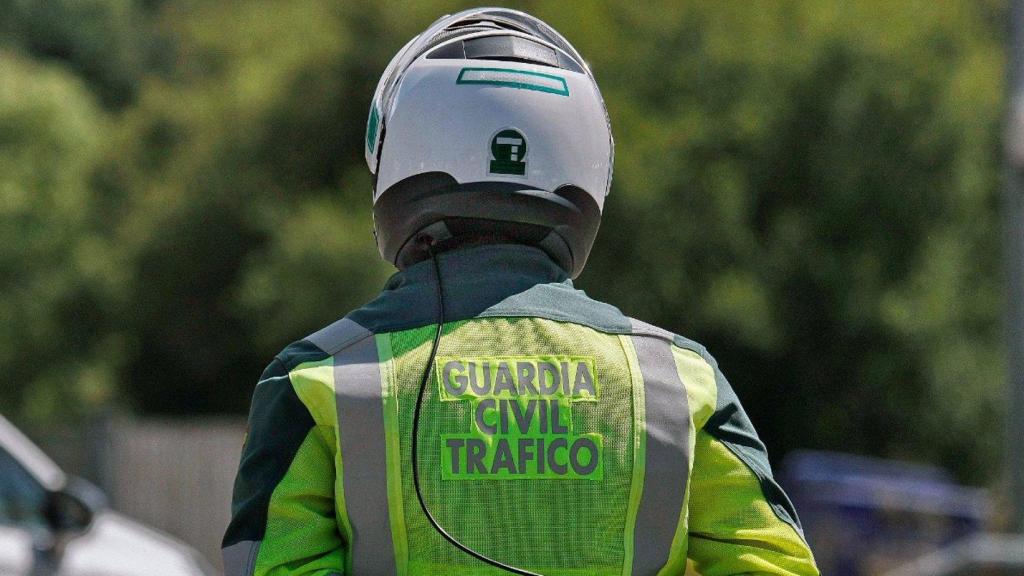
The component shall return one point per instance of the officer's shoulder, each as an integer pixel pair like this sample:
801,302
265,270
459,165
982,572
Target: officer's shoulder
641,328
697,368
316,347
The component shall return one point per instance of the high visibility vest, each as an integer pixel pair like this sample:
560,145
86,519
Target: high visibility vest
556,435
567,447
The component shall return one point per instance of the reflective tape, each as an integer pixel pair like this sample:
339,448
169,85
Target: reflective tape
666,458
240,558
512,78
337,336
357,389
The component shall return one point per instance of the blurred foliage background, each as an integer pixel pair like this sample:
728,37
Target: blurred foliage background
809,188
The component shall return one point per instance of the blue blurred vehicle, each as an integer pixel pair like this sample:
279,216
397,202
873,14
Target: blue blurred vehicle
864,516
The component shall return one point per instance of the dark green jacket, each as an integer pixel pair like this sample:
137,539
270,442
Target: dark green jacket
557,435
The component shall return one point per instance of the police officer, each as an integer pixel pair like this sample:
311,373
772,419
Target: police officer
481,416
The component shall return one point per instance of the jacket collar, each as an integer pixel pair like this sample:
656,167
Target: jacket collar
494,269
473,279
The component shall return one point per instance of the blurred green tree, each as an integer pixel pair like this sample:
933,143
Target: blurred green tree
809,188
823,181
105,42
58,279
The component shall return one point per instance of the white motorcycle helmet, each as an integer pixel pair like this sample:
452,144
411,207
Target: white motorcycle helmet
488,125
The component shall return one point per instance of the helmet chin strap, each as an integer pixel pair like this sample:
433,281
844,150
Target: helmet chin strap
429,244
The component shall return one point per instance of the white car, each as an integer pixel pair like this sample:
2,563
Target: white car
55,524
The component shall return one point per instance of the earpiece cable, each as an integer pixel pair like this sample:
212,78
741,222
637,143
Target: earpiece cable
416,427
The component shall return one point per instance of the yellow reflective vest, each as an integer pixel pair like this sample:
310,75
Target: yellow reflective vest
557,435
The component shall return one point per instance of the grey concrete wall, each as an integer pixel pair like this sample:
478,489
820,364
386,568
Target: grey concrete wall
175,475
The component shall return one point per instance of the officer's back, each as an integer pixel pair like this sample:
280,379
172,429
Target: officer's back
482,416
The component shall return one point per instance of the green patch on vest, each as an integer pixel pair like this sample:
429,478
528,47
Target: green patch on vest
522,418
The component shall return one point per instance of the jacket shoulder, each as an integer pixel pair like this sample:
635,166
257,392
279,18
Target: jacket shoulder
338,336
641,328
303,370
316,347
716,411
696,369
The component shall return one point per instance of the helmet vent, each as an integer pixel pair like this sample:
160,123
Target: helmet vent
510,48
506,48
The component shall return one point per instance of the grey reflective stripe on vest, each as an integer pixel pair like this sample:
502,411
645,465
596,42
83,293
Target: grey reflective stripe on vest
357,389
337,336
666,459
240,558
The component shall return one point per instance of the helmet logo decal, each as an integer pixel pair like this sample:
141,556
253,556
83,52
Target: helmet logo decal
508,153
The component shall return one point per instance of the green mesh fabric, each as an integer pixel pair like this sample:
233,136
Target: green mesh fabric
538,524
301,515
733,529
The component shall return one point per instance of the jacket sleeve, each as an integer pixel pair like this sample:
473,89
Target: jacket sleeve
283,514
740,520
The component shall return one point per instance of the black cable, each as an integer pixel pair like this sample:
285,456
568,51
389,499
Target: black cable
416,429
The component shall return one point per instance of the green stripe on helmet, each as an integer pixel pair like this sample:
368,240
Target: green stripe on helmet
371,129
512,78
